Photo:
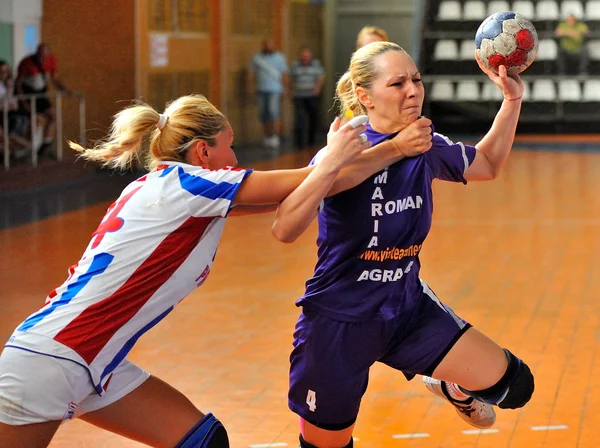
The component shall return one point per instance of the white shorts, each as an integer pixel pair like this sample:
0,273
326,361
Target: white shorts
37,388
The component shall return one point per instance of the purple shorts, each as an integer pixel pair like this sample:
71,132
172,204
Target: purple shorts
330,361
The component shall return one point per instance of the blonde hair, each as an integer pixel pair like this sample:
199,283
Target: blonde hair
189,119
370,30
361,73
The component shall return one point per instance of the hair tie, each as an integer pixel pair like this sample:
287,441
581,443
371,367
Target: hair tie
162,121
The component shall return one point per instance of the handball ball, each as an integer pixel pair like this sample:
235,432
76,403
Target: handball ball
509,39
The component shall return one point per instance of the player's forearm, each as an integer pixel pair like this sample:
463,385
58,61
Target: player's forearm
297,211
497,143
243,210
365,165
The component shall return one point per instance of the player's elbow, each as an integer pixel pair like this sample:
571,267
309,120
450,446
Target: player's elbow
283,235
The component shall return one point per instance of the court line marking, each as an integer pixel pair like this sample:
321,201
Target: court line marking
268,445
480,431
416,435
549,428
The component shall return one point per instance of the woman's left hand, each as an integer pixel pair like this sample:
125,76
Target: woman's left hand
511,85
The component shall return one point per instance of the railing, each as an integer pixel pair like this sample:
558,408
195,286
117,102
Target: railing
58,100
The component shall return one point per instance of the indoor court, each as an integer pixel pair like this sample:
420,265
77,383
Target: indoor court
517,257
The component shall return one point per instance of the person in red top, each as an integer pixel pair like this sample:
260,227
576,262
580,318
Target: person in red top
33,76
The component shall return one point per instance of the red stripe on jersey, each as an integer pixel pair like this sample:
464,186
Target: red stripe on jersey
112,222
89,332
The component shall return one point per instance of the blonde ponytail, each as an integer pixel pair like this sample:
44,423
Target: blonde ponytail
346,96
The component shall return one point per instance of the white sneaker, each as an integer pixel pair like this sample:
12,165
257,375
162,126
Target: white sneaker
472,411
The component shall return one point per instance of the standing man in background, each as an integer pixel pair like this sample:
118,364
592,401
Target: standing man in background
572,50
308,78
268,78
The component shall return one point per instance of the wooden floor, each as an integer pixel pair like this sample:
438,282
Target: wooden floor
518,257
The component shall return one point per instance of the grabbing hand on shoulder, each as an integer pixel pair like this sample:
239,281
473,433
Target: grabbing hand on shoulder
414,139
345,143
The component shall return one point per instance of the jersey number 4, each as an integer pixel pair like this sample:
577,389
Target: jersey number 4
311,400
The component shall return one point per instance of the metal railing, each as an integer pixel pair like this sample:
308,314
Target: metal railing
58,102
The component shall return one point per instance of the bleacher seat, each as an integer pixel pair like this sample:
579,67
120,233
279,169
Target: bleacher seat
547,10
449,10
497,6
467,90
547,50
591,90
467,50
594,49
525,8
592,10
526,91
571,7
474,10
569,90
491,92
442,91
445,50
544,90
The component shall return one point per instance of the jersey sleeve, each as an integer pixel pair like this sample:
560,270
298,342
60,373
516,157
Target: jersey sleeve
210,192
448,160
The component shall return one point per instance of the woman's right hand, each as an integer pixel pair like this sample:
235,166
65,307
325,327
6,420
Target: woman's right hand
344,143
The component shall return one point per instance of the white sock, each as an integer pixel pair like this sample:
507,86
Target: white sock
455,392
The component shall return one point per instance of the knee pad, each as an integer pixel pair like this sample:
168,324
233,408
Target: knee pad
305,444
513,390
207,433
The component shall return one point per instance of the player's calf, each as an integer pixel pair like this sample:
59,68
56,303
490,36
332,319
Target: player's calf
208,433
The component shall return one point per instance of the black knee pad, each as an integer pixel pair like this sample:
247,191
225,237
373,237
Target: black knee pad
514,389
305,444
207,433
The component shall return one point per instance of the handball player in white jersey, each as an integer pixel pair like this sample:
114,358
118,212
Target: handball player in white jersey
154,246
366,302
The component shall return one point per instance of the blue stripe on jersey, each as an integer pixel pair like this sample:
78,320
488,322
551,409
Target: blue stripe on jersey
120,356
199,186
97,267
166,171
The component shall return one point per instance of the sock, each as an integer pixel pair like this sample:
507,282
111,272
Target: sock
455,392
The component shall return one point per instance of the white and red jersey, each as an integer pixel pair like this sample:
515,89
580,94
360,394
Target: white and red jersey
154,246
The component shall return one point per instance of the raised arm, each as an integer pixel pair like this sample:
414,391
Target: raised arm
297,211
494,147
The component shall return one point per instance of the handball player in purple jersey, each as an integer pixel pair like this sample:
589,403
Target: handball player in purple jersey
366,302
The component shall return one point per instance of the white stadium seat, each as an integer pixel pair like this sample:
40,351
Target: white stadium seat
594,49
449,10
591,90
525,8
571,7
547,10
474,10
526,91
491,92
592,10
467,50
467,91
569,90
497,6
442,91
543,90
445,50
547,50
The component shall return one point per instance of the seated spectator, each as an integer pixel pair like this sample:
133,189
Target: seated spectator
572,51
16,122
33,76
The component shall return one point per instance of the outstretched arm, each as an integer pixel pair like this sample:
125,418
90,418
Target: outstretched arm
297,211
495,146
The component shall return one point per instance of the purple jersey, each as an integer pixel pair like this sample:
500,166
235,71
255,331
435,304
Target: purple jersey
370,236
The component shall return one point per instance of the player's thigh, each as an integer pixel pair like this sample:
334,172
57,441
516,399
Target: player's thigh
34,435
153,413
475,362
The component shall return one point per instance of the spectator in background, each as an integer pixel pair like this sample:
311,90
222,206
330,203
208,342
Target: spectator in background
370,34
268,79
308,78
16,122
33,76
572,50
